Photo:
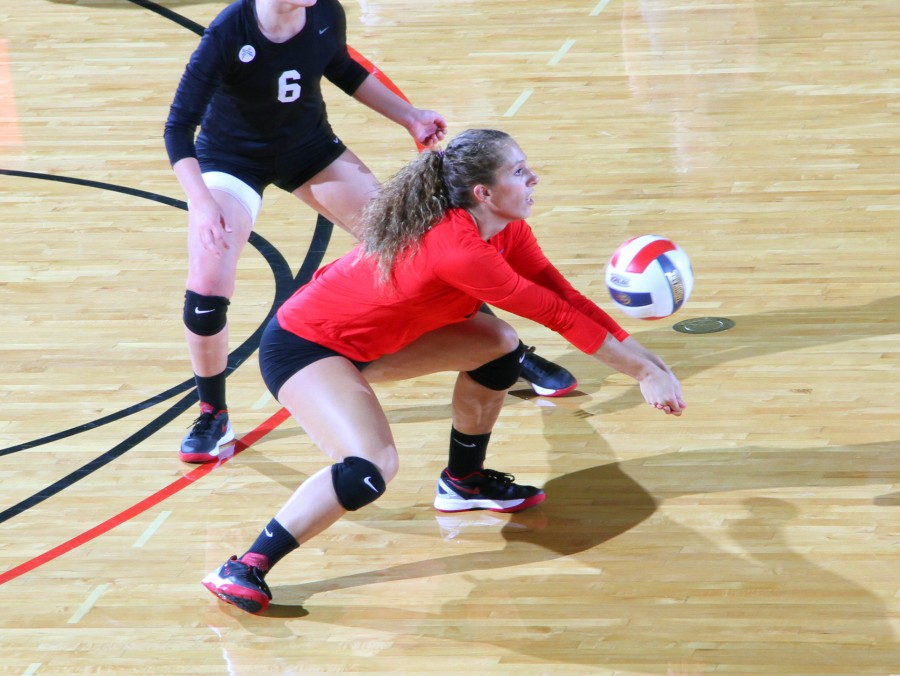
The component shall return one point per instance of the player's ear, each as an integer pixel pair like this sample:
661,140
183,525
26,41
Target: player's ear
481,192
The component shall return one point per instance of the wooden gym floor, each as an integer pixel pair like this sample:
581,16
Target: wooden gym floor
759,533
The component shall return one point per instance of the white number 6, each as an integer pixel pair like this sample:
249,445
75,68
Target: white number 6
288,87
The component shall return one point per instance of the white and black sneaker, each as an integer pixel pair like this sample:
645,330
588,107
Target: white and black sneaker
546,378
240,582
484,489
209,433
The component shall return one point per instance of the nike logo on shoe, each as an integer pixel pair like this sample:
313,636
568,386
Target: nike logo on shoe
457,489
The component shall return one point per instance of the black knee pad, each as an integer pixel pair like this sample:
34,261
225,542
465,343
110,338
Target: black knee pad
502,373
357,482
205,315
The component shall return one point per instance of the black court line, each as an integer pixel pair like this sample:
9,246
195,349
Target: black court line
181,204
285,284
172,16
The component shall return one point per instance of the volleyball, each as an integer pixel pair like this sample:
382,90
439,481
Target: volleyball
649,277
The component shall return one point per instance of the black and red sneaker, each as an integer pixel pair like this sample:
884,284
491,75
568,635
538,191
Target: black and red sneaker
546,378
209,433
484,489
240,582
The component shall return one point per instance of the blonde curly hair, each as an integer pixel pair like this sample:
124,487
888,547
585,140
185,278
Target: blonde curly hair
419,195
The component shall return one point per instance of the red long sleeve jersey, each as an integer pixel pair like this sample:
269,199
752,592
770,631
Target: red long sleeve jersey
445,281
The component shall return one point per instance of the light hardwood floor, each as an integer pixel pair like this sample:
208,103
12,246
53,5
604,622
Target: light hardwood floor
758,533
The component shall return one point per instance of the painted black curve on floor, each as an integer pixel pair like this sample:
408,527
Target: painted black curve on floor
169,14
285,284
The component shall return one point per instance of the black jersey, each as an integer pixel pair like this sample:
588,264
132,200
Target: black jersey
256,98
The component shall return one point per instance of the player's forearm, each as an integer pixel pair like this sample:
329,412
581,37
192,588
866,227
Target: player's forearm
628,357
187,170
639,349
382,100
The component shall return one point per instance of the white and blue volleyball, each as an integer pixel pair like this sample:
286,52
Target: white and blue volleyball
649,277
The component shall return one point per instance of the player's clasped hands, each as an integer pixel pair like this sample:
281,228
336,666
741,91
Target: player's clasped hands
662,390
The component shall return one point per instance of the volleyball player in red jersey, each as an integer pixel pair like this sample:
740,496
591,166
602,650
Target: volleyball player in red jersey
445,235
253,85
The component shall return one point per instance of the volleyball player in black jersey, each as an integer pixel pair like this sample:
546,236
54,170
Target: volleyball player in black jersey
253,86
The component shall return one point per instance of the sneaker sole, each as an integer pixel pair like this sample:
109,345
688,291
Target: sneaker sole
240,597
544,392
449,505
214,456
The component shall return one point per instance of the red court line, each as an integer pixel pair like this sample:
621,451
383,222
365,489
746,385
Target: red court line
381,77
373,69
202,470
151,501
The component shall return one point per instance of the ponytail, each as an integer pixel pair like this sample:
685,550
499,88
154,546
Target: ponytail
404,210
419,195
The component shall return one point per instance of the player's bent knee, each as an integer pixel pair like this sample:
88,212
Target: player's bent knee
505,338
357,482
205,315
501,373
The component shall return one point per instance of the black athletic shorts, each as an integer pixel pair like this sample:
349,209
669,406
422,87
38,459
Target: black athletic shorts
282,354
288,171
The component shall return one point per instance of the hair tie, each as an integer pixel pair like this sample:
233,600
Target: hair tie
440,154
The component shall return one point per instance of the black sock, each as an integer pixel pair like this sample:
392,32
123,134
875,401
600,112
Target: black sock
274,542
467,452
211,391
